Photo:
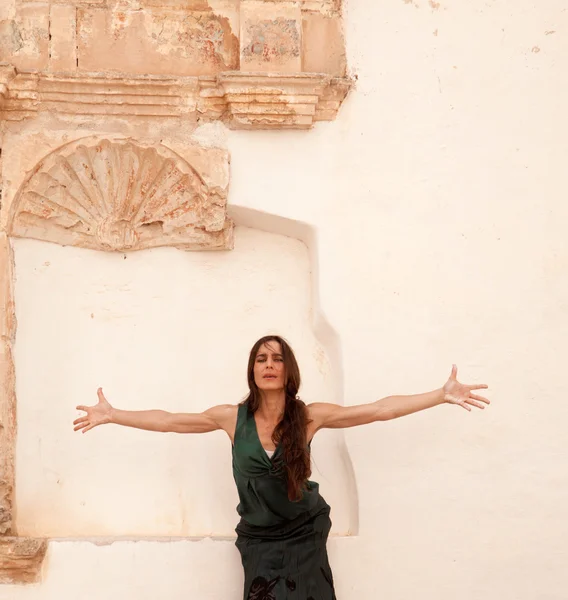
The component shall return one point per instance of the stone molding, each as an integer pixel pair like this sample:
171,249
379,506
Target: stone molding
7,387
21,559
241,100
273,101
120,195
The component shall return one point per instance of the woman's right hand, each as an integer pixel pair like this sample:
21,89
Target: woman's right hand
96,415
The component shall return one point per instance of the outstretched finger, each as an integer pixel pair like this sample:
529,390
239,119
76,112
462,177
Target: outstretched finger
454,373
89,427
464,405
81,426
81,407
101,395
80,420
476,404
480,398
477,386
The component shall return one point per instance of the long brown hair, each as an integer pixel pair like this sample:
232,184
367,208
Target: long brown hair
291,431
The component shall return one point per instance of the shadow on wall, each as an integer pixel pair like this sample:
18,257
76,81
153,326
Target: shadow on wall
327,337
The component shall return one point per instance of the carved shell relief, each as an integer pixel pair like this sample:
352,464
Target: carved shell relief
120,195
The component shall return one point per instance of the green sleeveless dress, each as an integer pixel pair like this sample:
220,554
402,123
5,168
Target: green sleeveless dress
282,543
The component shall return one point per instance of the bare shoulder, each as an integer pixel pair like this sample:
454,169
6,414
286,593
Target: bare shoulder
223,412
318,413
225,416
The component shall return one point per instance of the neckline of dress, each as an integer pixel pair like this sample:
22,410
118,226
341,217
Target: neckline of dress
264,451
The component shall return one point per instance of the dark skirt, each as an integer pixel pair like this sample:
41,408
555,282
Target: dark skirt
289,561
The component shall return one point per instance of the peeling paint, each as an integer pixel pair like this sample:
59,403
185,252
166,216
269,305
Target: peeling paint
188,43
18,40
273,39
11,40
24,40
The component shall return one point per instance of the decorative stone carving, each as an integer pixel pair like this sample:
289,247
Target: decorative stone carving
21,559
120,195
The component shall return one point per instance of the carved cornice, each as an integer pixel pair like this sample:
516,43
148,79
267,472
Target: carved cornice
21,559
119,195
274,101
242,100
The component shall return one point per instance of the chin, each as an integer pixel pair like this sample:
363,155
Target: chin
270,386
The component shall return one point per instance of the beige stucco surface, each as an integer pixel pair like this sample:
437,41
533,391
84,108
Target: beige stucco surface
438,200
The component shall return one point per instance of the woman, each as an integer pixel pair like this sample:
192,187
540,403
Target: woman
284,522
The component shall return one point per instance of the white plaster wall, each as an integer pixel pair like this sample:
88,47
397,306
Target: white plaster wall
439,201
157,329
439,198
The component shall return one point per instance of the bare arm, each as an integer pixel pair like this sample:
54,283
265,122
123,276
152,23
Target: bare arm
333,416
167,422
219,417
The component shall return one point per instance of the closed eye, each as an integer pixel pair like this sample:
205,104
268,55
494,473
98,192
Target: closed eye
275,357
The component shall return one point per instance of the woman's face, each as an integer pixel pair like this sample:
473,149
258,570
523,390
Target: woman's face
269,372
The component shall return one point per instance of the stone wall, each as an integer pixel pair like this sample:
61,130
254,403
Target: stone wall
253,63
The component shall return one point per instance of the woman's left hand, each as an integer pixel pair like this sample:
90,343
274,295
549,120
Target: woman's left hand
458,393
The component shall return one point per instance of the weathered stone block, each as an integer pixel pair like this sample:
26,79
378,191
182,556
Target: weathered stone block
7,10
273,101
182,4
7,387
24,40
323,45
323,6
271,37
7,433
74,2
157,41
7,74
63,42
21,559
